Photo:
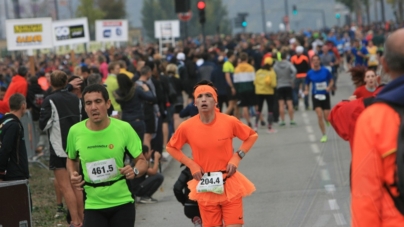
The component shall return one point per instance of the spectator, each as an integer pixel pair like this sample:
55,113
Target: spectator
18,84
146,185
103,67
13,153
112,83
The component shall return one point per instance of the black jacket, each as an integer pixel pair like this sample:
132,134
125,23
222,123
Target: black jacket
60,110
181,190
35,97
13,153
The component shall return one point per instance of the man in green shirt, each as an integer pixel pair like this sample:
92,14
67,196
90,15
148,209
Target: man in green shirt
97,146
112,83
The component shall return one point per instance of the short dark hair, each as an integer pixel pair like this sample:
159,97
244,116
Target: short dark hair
94,78
112,66
230,53
58,79
16,101
76,77
22,71
145,70
315,56
85,69
205,82
244,56
122,64
96,88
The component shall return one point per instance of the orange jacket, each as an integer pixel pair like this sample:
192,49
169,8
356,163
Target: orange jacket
373,164
18,85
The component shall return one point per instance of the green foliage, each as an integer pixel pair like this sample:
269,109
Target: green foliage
87,9
113,9
216,15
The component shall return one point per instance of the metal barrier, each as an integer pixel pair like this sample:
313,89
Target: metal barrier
31,135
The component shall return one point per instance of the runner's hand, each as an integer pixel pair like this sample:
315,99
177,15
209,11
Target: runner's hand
231,169
127,171
198,176
76,83
77,180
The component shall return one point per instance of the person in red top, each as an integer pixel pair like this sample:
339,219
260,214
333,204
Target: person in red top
374,158
18,84
366,82
214,161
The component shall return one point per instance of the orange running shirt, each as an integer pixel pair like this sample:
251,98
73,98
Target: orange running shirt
373,164
212,149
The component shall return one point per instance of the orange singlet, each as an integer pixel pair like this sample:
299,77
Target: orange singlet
212,150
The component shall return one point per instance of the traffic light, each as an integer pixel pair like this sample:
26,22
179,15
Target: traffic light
201,5
337,15
294,10
244,24
241,20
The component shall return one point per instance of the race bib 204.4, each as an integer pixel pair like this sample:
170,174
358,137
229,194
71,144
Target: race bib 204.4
211,182
101,171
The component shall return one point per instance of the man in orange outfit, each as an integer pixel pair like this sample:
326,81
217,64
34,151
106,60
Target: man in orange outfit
210,135
375,145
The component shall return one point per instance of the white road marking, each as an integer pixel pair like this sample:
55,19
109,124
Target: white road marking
309,129
340,219
312,137
320,160
325,175
333,204
330,188
314,148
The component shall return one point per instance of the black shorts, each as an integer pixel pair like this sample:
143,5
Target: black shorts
247,99
230,96
56,162
150,125
285,93
323,104
122,216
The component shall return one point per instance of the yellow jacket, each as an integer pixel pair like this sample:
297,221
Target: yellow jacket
265,82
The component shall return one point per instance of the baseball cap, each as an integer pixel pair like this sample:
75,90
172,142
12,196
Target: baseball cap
299,49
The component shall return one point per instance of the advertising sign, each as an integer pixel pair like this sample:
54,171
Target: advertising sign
111,30
167,29
29,34
66,32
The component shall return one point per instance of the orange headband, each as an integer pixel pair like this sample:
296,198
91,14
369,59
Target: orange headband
204,89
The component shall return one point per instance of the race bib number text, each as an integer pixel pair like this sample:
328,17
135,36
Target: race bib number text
101,171
212,182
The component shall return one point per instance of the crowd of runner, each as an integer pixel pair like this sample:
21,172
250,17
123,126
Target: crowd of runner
154,93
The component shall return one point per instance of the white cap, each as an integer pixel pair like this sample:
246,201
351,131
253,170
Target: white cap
299,49
181,57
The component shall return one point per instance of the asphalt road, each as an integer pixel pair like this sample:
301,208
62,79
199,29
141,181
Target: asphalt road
300,181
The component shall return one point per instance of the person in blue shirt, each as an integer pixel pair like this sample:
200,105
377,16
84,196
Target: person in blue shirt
360,53
322,82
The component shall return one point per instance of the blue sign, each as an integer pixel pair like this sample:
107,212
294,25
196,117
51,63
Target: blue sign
118,32
107,33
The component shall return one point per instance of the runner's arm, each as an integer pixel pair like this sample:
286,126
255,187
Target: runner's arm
228,80
46,116
141,164
245,133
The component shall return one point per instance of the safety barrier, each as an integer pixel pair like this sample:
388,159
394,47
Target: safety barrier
31,135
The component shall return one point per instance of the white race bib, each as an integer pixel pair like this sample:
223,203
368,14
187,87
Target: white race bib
211,182
321,86
320,97
101,171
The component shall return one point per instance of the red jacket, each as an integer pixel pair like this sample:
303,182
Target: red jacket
18,85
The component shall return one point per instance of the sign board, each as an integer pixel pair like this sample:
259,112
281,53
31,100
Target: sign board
167,29
29,34
185,16
66,32
94,46
111,30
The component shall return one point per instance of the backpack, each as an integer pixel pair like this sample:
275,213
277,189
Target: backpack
399,173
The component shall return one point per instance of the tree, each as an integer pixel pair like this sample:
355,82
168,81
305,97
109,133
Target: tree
216,17
88,9
113,9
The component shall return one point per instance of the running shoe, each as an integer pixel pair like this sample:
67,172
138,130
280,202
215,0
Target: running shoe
271,130
282,124
147,200
197,222
60,212
327,123
262,123
293,123
324,139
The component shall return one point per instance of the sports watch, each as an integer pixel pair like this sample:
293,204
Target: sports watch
136,171
241,154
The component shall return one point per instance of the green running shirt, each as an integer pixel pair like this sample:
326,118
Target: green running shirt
101,153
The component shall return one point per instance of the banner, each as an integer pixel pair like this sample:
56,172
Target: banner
66,32
111,30
166,29
33,33
63,50
94,46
